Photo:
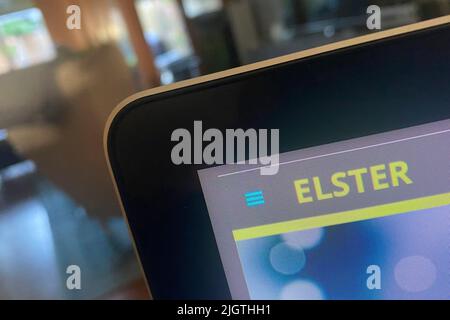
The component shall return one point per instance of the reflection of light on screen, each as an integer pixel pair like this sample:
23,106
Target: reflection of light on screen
415,273
287,260
301,290
3,134
18,170
306,239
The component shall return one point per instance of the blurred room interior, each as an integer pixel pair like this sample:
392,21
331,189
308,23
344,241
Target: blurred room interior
58,86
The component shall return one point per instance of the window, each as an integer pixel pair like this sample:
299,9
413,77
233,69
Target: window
24,40
163,26
195,8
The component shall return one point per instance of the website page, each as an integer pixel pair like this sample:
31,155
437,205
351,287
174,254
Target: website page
367,218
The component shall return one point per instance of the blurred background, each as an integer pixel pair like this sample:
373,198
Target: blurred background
58,86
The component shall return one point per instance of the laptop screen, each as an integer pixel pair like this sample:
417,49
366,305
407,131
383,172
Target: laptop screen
367,218
350,198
